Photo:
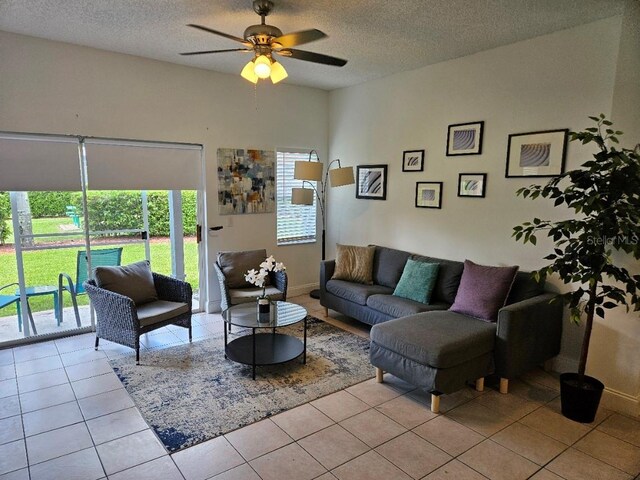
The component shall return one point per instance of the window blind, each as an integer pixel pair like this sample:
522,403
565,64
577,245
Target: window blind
295,223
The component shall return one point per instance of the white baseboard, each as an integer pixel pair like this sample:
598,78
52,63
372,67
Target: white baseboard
621,402
214,306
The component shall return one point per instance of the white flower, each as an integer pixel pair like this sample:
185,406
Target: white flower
259,278
268,264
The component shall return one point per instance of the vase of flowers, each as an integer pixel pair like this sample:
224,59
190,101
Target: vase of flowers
259,279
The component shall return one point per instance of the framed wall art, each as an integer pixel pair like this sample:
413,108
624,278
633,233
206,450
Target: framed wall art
472,184
429,194
465,139
372,182
246,181
537,154
413,160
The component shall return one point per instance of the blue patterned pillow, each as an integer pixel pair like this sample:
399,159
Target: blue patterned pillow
417,281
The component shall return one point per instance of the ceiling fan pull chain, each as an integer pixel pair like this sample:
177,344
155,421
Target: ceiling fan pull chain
255,96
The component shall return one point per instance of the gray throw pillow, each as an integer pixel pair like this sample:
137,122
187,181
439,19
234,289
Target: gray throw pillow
134,281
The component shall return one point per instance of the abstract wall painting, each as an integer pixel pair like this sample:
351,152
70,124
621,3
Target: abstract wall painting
246,181
372,182
429,194
537,154
472,184
465,139
413,160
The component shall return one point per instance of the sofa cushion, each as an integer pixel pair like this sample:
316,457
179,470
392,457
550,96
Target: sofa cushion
235,265
417,281
524,287
449,273
438,339
354,264
134,281
159,311
483,290
355,292
401,307
388,265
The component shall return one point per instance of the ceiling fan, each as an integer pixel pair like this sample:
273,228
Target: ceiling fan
264,40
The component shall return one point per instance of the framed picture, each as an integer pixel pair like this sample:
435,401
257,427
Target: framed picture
429,194
413,160
472,184
537,154
372,182
465,139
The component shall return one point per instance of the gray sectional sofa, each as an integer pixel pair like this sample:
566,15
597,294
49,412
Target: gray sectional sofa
437,349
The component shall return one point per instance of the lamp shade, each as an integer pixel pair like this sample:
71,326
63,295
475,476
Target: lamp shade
341,176
248,74
301,196
278,73
311,171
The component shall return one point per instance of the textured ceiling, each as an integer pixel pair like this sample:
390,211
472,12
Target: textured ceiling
378,37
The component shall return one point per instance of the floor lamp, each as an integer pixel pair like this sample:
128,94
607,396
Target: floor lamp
309,171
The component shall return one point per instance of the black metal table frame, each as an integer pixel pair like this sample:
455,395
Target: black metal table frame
238,355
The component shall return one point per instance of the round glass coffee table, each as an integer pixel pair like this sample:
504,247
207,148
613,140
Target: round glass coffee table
271,348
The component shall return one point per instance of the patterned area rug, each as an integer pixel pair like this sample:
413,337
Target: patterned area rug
191,393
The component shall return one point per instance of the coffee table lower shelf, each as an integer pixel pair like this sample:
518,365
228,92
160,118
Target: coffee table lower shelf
265,349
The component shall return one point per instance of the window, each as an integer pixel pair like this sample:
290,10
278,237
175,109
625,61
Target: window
295,223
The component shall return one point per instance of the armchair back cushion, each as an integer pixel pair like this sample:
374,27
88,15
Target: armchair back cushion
234,266
134,281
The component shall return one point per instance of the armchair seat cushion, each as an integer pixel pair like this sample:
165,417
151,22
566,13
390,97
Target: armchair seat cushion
246,295
159,311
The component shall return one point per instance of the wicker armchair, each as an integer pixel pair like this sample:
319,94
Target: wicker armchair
231,268
121,321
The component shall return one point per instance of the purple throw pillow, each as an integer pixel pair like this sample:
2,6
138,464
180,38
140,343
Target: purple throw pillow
483,290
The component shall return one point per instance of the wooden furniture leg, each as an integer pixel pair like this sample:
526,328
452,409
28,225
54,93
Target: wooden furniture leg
504,385
480,384
379,375
435,403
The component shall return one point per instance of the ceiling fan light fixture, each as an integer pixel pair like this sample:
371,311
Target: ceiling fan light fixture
262,66
248,73
278,73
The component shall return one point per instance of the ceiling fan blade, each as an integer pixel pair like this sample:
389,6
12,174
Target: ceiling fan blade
218,51
312,57
222,34
299,38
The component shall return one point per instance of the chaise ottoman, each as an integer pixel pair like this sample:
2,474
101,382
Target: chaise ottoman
439,351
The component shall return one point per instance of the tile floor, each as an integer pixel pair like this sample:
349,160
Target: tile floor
65,415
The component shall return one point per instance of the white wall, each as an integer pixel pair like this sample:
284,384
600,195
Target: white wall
549,82
52,87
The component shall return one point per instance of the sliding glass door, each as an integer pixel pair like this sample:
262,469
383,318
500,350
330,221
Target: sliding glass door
68,205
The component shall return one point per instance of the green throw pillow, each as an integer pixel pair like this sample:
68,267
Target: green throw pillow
417,281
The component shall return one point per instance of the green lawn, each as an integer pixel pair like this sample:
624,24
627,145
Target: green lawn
43,266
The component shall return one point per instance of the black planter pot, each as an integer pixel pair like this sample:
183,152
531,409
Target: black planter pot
580,403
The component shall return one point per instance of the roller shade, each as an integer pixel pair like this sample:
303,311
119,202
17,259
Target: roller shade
134,166
32,163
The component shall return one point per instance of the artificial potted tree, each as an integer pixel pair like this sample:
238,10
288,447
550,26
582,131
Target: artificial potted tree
604,195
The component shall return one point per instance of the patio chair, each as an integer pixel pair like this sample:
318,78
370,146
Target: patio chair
132,300
6,300
105,257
